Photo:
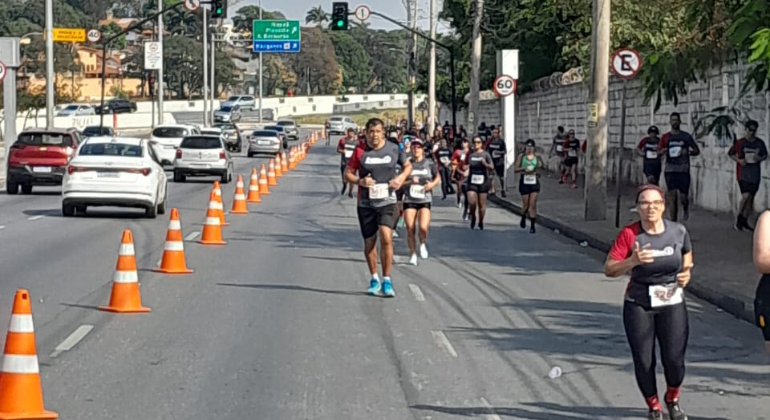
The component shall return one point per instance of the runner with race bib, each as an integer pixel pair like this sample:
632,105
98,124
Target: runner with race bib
459,173
444,162
527,165
418,199
345,148
479,164
496,147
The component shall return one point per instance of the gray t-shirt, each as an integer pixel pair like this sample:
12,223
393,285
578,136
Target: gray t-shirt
677,151
751,152
425,171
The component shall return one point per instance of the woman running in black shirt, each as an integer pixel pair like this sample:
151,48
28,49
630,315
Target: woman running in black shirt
478,182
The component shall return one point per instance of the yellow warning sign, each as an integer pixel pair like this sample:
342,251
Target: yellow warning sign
69,35
593,113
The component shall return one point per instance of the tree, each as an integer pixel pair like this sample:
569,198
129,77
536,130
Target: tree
111,30
317,65
317,15
354,60
245,16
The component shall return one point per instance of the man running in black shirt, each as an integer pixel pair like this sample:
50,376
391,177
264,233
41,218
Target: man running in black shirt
496,148
748,153
677,146
345,148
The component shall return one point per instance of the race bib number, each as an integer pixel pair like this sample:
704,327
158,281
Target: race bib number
462,156
750,157
665,295
379,192
497,154
572,153
530,179
444,160
675,151
477,179
348,154
559,148
651,154
417,191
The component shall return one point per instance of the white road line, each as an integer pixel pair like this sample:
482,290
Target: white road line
491,415
2,227
443,342
417,292
33,218
70,342
192,236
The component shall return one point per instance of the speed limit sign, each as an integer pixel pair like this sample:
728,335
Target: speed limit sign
3,71
505,85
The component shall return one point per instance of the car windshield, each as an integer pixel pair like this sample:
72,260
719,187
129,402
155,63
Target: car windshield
265,133
97,131
233,98
71,108
45,139
111,149
211,132
200,143
285,123
275,128
225,126
226,109
170,132
335,119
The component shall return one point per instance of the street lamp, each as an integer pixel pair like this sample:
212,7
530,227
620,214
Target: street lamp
26,39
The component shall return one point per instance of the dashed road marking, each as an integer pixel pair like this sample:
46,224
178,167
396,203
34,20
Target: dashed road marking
491,411
192,236
2,227
417,292
33,218
443,342
70,342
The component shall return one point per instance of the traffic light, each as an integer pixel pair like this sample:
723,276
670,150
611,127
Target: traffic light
218,9
340,16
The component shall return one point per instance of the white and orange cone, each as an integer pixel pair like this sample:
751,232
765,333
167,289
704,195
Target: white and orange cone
173,260
254,188
220,204
284,163
271,181
125,297
212,229
278,172
239,201
263,185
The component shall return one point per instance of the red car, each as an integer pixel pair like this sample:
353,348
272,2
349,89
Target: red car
39,157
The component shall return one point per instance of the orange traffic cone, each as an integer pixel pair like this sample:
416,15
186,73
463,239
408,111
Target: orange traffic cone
212,228
284,163
323,132
173,260
292,159
254,188
21,392
271,174
239,202
220,204
125,296
263,187
278,171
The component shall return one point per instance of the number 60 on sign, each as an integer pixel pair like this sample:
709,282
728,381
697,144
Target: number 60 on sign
504,85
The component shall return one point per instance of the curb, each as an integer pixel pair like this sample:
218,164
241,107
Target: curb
739,308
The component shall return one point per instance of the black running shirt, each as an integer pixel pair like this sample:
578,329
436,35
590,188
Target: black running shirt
425,171
383,165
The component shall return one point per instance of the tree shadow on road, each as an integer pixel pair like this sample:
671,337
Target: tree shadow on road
286,287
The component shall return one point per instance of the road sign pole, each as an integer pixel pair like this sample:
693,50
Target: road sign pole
213,76
619,157
205,67
50,75
260,71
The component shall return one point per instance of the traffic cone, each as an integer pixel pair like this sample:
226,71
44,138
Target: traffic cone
212,228
239,202
323,132
125,296
278,171
173,260
21,392
263,187
254,188
271,174
284,163
292,159
220,204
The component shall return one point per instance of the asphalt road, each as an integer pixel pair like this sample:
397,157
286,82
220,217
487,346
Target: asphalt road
275,325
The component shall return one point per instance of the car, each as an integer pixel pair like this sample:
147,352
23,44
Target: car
76,110
228,113
96,131
291,128
232,136
167,137
340,124
264,141
281,133
117,106
115,172
39,157
203,155
244,101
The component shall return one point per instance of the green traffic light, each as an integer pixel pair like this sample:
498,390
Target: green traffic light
340,23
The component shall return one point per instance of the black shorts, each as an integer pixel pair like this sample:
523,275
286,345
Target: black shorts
478,189
678,181
526,189
500,168
748,187
570,161
416,206
653,170
762,306
371,218
343,167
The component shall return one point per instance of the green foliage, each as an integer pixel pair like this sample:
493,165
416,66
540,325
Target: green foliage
317,16
118,92
354,60
111,30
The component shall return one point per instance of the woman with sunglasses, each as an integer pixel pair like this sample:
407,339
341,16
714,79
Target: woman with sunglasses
479,164
527,165
418,199
459,173
658,255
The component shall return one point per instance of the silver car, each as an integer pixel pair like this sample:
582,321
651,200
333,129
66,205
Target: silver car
244,101
264,141
203,155
340,124
228,113
76,110
290,127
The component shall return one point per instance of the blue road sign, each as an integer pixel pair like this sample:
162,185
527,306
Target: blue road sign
276,46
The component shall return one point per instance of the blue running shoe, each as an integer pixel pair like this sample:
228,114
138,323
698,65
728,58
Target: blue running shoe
374,287
387,289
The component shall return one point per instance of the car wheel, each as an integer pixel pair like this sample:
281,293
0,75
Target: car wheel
249,154
226,177
26,188
162,206
67,210
81,210
11,188
151,212
179,177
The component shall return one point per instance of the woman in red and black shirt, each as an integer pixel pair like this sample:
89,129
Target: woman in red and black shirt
658,255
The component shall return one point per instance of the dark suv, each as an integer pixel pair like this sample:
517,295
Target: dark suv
118,106
39,157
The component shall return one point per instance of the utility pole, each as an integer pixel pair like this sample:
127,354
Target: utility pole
51,80
159,89
213,74
432,70
595,197
413,74
410,105
260,71
205,66
473,104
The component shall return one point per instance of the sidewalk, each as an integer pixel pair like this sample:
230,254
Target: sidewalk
723,273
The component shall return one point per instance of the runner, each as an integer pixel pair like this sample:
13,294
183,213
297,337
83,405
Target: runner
373,169
571,153
529,184
658,254
762,262
648,150
557,149
407,148
479,163
328,139
345,148
444,162
459,173
748,153
677,146
496,147
417,202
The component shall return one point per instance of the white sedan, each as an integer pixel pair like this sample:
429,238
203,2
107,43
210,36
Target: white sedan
166,139
116,172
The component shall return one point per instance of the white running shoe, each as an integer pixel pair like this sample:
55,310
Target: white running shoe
395,233
413,260
423,251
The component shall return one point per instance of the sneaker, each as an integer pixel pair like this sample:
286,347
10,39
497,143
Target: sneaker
395,233
502,193
343,189
523,222
573,186
655,415
738,224
481,225
374,287
423,251
686,215
561,181
387,289
532,229
413,260
675,412
350,195
473,224
401,223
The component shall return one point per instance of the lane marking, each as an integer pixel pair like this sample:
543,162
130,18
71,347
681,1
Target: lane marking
443,342
192,236
33,218
417,292
2,227
491,415
70,342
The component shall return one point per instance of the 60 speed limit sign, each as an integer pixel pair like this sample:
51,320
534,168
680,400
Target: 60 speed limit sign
504,85
3,71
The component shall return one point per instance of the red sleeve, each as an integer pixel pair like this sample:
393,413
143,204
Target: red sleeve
355,161
663,141
456,156
640,146
584,147
624,244
341,145
487,143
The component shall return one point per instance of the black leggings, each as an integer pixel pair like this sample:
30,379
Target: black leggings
669,324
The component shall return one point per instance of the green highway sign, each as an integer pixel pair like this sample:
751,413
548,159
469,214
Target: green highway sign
276,30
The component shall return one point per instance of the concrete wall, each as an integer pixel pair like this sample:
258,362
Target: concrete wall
714,186
362,106
124,122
